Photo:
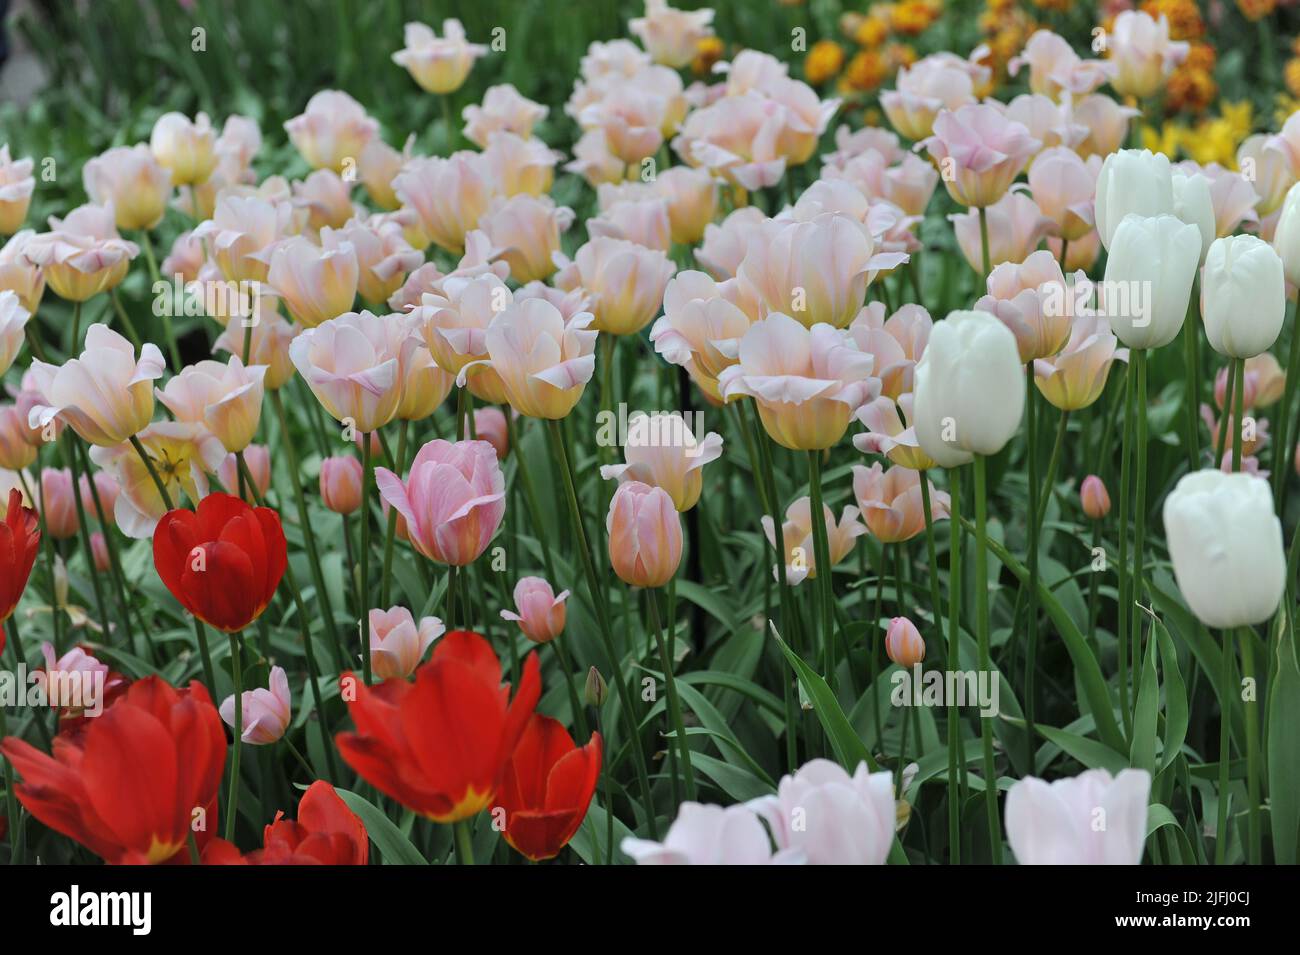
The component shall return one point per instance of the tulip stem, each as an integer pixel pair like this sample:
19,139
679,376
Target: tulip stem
464,844
309,536
110,542
555,431
530,492
933,565
1065,249
168,331
674,703
984,243
11,800
84,530
391,530
1191,372
1121,564
1031,613
232,801
1138,583
1226,691
985,664
954,663
1238,411
76,328
125,319
822,557
1225,418
1284,451
153,473
47,545
1252,744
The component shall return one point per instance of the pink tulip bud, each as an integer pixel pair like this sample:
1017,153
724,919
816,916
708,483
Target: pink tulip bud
1096,501
74,669
645,535
340,484
106,489
258,461
541,613
59,503
397,643
265,711
99,551
903,642
490,426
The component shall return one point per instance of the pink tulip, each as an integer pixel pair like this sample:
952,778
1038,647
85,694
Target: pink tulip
1049,122
519,166
106,489
453,499
242,233
130,181
13,322
1033,300
645,535
503,108
1057,823
265,712
701,328
937,82
58,503
332,132
980,152
891,504
188,149
1064,187
725,245
896,343
736,138
326,198
448,195
662,451
490,425
1055,69
268,344
1075,378
81,255
1233,196
75,671
258,461
692,197
540,612
1094,498
340,484
438,64
903,643
909,184
526,230
1273,170
1082,254
18,274
796,534
317,283
186,257
226,399
626,282
1016,226
642,221
16,187
397,644
99,552
671,36
16,452
886,434
1144,55
454,320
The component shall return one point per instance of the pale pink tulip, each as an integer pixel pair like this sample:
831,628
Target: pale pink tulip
1033,300
1016,226
453,499
1094,498
13,322
503,108
909,184
1082,254
979,152
736,138
896,343
106,489
268,344
515,165
1076,377
18,274
340,484
188,149
937,82
797,535
454,323
242,232
886,434
99,553
891,503
75,671
526,232
725,245
593,161
1049,122
1056,70
645,535
661,450
317,283
265,712
1057,823
332,132
903,643
438,64
1233,196
16,187
83,254
490,425
700,328
642,221
1064,188
326,197
130,180
540,612
1143,54
449,195
397,643
16,452
384,257
425,386
626,282
692,197
1270,170
58,501
710,835
671,36
226,399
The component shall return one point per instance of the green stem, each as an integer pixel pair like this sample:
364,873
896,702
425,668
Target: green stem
168,332
76,328
1229,391
1238,411
153,473
464,845
984,243
1284,450
674,704
110,541
1121,565
822,558
83,527
1053,463
1190,372
1252,744
954,662
125,319
530,493
1138,582
1031,616
985,664
1226,693
232,801
391,530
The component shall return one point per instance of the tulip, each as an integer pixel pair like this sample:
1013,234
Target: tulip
595,691
725,245
543,362
797,534
1089,819
540,612
1265,382
700,329
1192,203
1226,545
671,36
16,187
105,395
159,753
187,149
645,535
980,152
1107,122
1033,301
903,643
441,746
846,820
326,832
340,484
1273,176
641,221
502,109
454,322
266,712
662,451
1132,182
397,644
937,82
807,383
1064,187
490,425
1140,48
970,389
447,195
710,835
18,274
131,181
16,452
82,255
20,538
692,197
99,553
438,64
526,229
332,132
453,499
1149,279
1094,498
268,345
1055,69
317,283
257,459
626,282
186,258
886,434
816,271
13,321
1081,255
226,399
514,165
547,787
1286,237
326,199
242,234
356,365
1015,226
736,138
222,561
891,504
59,503
1076,377
1232,197
1243,293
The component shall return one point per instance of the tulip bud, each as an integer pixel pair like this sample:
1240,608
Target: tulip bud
264,712
1193,205
1286,236
645,535
903,642
1056,823
595,691
1226,545
187,148
58,500
1149,278
99,551
490,425
340,484
1243,294
397,643
1094,497
541,613
1133,181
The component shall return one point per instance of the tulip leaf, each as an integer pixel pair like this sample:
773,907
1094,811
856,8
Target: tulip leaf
1142,751
1089,752
1159,817
1085,664
1176,714
1284,752
388,839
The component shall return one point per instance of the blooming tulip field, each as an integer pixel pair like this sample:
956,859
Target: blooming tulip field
611,433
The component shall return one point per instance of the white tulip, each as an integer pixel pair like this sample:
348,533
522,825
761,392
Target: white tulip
1132,181
970,389
1226,546
1149,276
1090,819
1193,205
1286,237
1243,296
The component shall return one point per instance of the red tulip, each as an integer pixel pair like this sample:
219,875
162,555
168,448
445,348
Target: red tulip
327,833
440,745
222,563
547,788
19,538
138,781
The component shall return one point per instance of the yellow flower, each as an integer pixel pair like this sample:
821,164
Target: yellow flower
1165,140
707,52
823,62
872,31
1256,9
912,16
1291,73
867,70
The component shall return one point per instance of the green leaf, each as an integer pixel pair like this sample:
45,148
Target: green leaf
1089,752
1142,752
1176,714
388,839
1284,752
